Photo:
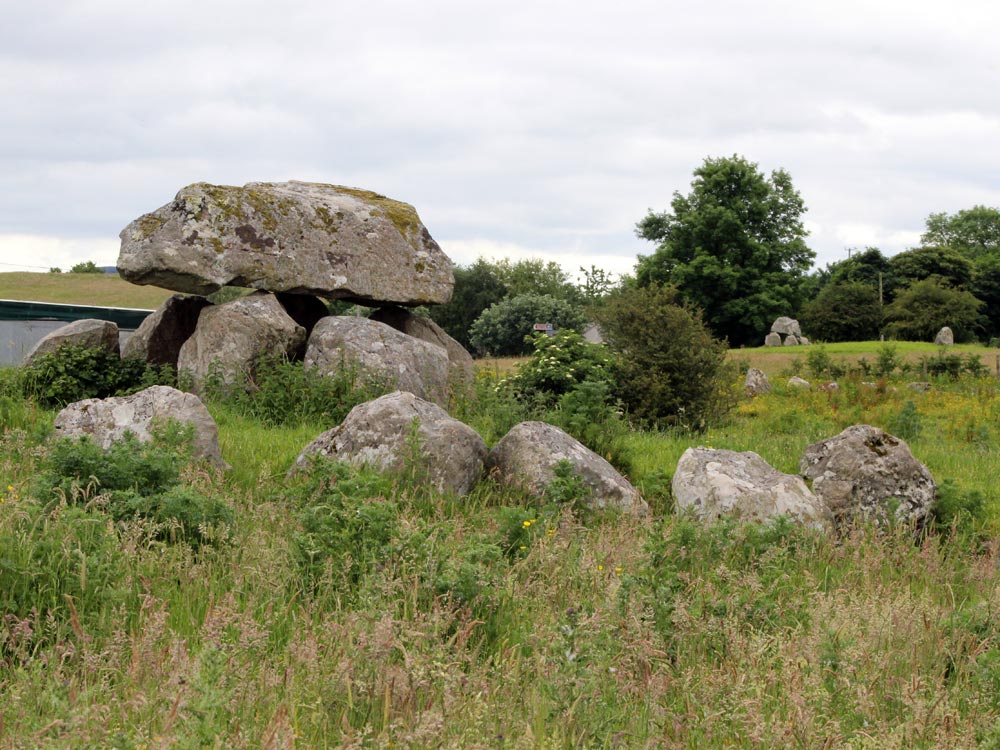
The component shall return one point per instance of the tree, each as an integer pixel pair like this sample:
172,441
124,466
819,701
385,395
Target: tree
596,285
476,288
669,369
927,262
919,312
533,276
866,266
734,247
844,311
973,232
986,287
504,330
86,267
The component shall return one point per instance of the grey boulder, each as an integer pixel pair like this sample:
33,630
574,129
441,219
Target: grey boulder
301,237
714,484
786,327
798,383
393,431
230,338
756,382
772,339
89,333
425,329
159,338
380,353
107,420
527,457
944,337
866,473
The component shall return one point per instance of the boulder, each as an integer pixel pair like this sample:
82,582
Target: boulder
791,341
714,484
425,329
756,382
527,456
302,237
866,473
382,434
89,333
772,339
159,338
786,327
380,353
231,337
944,337
830,386
803,341
797,382
107,420
923,387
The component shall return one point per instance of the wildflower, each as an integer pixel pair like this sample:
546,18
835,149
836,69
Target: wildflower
618,569
551,532
600,567
522,547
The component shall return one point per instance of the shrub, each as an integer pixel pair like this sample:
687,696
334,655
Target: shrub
669,370
919,312
73,373
559,364
848,311
86,267
283,392
502,329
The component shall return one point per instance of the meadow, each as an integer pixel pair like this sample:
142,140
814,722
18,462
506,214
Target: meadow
345,609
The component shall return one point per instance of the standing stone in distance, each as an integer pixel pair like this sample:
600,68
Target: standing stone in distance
302,237
231,337
527,456
159,338
772,339
89,333
381,434
756,382
716,484
381,353
865,473
945,337
107,420
796,382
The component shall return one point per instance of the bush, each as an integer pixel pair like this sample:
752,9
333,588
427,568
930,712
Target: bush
669,370
503,330
919,312
86,267
134,479
73,373
559,364
844,312
282,392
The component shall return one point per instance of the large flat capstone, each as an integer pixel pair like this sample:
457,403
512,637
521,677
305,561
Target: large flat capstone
302,237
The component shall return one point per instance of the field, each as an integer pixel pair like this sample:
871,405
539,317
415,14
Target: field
345,610
104,290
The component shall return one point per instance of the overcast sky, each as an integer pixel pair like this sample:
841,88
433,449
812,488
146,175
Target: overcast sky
543,129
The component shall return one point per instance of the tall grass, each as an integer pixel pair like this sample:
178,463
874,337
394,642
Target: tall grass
424,623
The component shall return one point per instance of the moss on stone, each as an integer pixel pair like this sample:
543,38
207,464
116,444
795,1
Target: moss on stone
402,215
149,224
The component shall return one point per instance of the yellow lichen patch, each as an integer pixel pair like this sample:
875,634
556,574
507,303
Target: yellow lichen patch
402,215
148,225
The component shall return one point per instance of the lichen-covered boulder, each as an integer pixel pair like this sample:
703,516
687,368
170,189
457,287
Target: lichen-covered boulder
159,338
866,473
231,337
392,431
786,327
425,329
527,457
756,382
791,341
797,383
380,353
772,339
302,237
714,484
89,333
107,420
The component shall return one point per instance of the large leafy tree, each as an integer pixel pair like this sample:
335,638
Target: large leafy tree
734,247
931,262
868,266
920,310
844,311
974,232
476,288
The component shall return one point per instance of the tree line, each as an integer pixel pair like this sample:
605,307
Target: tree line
733,248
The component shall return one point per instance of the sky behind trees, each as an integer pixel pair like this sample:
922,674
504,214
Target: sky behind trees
543,129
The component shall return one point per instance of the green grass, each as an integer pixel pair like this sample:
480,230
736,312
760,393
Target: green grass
422,628
103,290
